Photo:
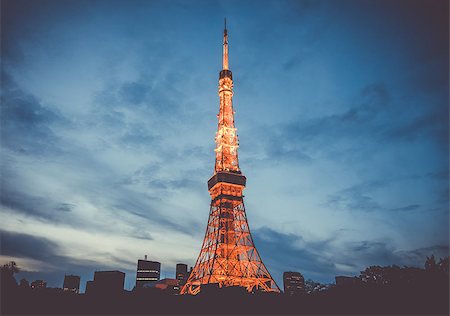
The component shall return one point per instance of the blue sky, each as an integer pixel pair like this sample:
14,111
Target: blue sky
108,117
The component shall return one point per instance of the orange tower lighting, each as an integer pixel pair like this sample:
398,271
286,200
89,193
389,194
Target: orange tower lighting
228,256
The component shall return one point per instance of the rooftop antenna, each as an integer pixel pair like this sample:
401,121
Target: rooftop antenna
225,47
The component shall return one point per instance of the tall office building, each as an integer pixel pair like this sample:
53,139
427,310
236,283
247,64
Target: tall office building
181,273
89,287
147,272
294,283
106,282
71,283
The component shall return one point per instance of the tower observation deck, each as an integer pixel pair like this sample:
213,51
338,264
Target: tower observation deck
228,256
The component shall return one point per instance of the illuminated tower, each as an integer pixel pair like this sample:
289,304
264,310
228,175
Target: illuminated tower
228,256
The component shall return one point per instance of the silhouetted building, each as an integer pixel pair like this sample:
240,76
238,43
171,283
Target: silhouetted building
71,283
294,283
89,287
181,273
38,284
106,282
345,281
147,272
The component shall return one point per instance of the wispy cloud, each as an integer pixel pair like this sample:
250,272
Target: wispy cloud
323,259
406,208
355,198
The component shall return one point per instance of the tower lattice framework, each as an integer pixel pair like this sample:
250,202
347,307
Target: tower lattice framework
228,256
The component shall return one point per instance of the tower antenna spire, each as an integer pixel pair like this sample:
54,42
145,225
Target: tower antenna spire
225,47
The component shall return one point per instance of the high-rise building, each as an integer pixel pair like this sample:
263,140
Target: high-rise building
71,283
38,284
147,272
228,256
294,283
181,273
106,282
89,287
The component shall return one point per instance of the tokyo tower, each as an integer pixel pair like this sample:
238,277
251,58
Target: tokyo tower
228,256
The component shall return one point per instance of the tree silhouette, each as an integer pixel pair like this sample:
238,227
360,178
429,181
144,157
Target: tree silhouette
10,268
7,279
312,286
430,264
443,265
24,283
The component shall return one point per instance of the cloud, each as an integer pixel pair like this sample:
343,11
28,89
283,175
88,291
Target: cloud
355,132
355,198
32,205
439,175
371,252
281,252
338,134
295,10
134,92
367,253
25,121
29,129
149,212
22,245
323,259
432,125
416,256
65,207
353,201
40,258
406,208
375,95
278,151
294,61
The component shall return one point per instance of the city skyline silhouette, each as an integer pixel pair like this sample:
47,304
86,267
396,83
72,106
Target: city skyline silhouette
377,290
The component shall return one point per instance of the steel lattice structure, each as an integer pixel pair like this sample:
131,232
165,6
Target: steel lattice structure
228,256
